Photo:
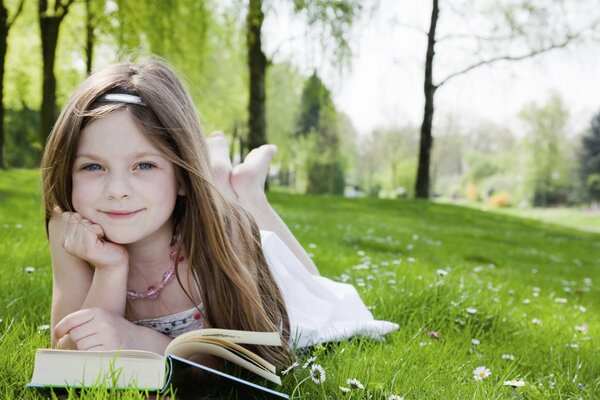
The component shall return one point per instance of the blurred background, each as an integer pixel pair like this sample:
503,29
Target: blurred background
487,103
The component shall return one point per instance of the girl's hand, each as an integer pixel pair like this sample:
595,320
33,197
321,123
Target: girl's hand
83,239
98,329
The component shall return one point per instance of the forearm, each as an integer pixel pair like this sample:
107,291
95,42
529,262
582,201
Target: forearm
108,290
151,340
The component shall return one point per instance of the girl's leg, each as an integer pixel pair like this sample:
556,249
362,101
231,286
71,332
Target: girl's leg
246,182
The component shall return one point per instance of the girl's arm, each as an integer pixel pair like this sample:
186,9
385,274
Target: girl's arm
76,284
98,329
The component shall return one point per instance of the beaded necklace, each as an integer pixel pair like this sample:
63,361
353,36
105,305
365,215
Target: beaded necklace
154,290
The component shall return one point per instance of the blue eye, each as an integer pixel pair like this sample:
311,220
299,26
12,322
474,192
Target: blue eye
145,166
92,167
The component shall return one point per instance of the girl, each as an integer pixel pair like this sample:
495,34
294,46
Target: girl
136,198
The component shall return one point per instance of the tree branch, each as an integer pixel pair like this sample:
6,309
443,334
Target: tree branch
64,8
283,42
414,28
531,54
11,21
473,36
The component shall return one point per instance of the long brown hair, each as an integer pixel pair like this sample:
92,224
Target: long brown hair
221,241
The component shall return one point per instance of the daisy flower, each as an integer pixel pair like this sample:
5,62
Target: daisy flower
291,367
480,373
345,390
471,310
395,397
29,270
508,357
442,272
317,374
355,384
560,300
309,362
514,383
475,342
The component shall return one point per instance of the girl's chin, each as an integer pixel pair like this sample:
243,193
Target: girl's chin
120,238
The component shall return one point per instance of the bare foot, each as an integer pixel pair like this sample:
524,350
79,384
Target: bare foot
220,163
248,178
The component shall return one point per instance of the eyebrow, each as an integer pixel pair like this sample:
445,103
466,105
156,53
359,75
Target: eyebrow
136,155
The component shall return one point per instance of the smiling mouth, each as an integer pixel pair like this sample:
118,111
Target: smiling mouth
121,214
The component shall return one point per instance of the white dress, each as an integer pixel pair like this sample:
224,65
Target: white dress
320,310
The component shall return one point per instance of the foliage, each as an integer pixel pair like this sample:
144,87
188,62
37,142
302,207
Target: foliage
589,160
284,89
318,118
388,161
549,171
531,290
22,146
332,22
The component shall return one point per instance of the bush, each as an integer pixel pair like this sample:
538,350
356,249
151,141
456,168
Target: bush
325,178
471,192
501,199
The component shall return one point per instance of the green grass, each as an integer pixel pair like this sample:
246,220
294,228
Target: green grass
511,270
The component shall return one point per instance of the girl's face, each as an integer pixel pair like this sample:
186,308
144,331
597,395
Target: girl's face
122,182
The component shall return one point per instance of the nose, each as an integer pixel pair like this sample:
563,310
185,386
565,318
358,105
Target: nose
117,186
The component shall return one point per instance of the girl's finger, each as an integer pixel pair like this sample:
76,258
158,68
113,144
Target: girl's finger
83,331
71,321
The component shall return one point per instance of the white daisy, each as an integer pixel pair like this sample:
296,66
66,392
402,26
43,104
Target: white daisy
291,367
561,300
480,373
345,389
29,270
395,397
514,383
471,310
317,374
475,342
508,357
355,384
442,272
309,362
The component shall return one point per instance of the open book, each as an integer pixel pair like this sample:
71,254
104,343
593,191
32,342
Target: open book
149,371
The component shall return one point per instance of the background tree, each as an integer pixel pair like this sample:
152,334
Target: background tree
548,171
318,119
5,24
331,19
388,161
49,20
589,160
531,28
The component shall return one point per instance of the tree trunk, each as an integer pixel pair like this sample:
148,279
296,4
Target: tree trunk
3,47
426,142
89,38
257,66
49,25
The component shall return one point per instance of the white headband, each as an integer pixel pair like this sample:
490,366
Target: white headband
122,98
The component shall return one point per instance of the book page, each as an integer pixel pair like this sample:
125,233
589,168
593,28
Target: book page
188,349
240,351
243,337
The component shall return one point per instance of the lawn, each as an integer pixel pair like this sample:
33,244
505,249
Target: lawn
469,289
